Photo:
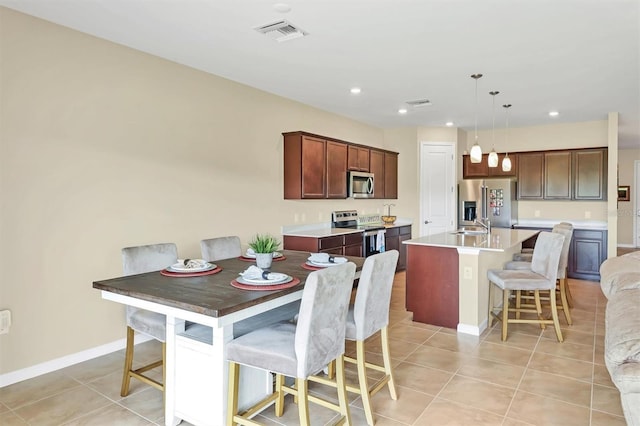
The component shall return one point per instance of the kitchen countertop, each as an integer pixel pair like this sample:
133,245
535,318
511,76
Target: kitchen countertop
547,223
500,239
320,230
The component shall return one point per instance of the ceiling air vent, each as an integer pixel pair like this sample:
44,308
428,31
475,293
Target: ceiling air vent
419,103
281,31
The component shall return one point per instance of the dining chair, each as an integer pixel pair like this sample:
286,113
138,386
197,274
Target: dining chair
368,315
562,286
138,260
220,248
542,275
298,350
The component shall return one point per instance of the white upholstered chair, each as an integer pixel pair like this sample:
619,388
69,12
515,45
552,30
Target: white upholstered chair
542,275
368,315
298,350
138,260
220,248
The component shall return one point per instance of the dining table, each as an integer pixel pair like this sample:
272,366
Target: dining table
203,313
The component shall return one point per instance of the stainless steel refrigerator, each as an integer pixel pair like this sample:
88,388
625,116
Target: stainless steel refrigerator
493,199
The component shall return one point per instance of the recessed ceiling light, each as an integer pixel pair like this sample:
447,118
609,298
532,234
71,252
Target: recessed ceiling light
402,111
553,113
449,123
282,7
356,90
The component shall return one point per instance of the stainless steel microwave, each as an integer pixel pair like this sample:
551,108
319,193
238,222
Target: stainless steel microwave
361,185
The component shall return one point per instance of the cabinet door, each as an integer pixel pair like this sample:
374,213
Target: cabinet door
358,158
390,176
336,170
497,171
530,176
474,170
313,167
590,174
402,258
587,252
557,175
376,166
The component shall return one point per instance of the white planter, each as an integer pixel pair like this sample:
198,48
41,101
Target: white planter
263,260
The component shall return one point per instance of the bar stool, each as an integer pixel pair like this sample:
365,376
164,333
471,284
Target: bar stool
138,260
298,350
368,315
542,275
565,229
220,248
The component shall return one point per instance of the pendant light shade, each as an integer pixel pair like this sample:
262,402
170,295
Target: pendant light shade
476,151
493,156
506,161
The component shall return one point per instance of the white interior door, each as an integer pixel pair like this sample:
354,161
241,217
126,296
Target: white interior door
437,187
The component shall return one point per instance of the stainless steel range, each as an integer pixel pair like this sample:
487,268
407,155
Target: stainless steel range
372,225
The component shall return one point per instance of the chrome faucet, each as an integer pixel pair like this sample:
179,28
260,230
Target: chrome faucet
486,226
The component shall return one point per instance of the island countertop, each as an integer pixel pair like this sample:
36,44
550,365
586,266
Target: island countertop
500,239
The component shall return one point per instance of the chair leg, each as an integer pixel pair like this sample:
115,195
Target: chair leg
490,314
331,369
364,384
505,313
342,390
568,289
128,362
386,357
303,401
280,392
565,300
232,393
518,303
554,314
536,297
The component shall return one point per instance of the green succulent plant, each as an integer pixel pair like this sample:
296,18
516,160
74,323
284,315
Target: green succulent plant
264,243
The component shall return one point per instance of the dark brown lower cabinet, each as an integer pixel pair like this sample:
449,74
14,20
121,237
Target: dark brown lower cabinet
393,241
344,245
587,252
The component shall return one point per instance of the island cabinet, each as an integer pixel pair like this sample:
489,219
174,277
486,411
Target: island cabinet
358,158
393,241
344,244
314,167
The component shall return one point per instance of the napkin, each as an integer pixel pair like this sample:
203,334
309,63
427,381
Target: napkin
326,258
254,273
193,263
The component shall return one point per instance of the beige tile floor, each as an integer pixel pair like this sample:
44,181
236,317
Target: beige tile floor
442,379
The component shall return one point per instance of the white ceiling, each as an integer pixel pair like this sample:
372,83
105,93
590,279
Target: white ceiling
580,57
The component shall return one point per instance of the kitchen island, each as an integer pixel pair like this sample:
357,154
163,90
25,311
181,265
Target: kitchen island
446,278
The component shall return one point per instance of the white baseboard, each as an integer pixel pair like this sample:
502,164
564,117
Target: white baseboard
626,246
472,329
65,361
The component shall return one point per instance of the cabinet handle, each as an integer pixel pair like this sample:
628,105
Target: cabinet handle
426,222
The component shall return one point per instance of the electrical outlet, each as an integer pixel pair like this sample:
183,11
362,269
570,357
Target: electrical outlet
536,213
587,215
467,273
5,321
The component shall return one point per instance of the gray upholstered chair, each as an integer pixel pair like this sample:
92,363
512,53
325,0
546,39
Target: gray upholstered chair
565,229
526,253
298,350
220,248
138,260
541,276
368,315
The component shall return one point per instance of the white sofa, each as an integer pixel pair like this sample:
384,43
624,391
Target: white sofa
620,283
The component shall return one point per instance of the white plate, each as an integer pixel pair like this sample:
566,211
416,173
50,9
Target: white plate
179,267
253,256
255,281
323,264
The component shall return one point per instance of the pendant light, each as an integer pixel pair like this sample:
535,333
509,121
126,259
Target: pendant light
493,156
476,151
506,161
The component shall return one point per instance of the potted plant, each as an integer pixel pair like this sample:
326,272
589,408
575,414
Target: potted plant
264,245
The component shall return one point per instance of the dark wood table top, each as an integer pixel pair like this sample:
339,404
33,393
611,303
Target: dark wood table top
210,295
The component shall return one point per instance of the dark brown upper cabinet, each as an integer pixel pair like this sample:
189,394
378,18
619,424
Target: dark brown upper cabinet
358,158
557,175
482,170
590,174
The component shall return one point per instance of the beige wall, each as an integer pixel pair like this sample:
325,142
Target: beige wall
626,161
104,147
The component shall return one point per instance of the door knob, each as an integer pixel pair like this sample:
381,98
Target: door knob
426,222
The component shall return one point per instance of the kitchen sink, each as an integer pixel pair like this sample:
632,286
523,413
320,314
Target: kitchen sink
470,231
